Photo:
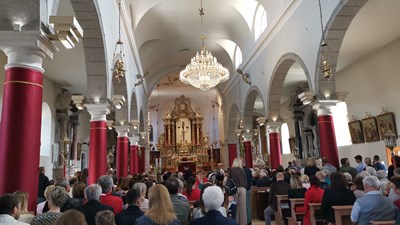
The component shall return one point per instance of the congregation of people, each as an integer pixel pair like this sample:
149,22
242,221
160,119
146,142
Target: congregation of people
199,197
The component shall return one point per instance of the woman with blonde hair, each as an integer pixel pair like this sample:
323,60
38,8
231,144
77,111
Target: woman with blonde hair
311,168
24,216
160,210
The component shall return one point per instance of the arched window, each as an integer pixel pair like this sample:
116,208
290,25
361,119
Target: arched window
238,56
45,136
340,121
260,21
285,139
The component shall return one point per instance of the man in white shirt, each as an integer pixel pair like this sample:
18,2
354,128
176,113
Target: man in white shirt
9,211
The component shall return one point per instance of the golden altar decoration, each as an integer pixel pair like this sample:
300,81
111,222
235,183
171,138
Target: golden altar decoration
182,142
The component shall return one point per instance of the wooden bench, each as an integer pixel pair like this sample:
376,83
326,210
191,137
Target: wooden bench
342,214
315,207
388,222
282,202
295,216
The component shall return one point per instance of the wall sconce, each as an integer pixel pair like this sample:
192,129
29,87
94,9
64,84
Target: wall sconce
143,134
118,101
78,100
139,79
135,124
67,30
110,124
245,76
238,132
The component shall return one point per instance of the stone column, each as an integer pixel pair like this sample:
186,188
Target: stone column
327,137
122,151
98,141
22,111
275,144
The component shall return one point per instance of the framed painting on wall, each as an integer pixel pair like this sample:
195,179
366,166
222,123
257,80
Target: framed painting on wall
370,129
385,123
356,132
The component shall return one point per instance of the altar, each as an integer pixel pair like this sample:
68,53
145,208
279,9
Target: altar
182,142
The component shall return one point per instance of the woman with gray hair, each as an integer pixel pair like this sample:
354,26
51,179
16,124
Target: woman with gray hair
56,199
142,189
213,199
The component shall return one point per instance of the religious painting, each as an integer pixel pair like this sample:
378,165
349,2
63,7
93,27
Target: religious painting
370,129
356,132
385,123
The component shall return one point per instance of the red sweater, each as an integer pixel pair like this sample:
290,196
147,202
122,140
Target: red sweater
113,201
313,195
195,195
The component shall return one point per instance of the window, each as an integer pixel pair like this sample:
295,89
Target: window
285,139
340,122
238,56
260,21
45,137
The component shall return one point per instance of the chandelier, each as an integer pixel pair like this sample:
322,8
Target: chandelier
119,55
204,71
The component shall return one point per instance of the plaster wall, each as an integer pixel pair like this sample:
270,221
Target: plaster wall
372,82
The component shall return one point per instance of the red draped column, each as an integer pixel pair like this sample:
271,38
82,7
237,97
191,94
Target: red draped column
134,160
232,153
21,117
142,160
275,144
248,154
98,141
327,137
122,151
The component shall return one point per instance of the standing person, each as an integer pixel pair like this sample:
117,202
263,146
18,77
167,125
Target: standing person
314,194
377,163
187,172
43,183
280,187
9,210
327,166
338,194
249,182
360,164
239,176
213,199
56,199
191,192
129,216
366,208
311,168
106,183
200,179
160,210
346,168
181,208
24,215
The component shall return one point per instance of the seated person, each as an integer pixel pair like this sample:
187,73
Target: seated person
264,180
313,195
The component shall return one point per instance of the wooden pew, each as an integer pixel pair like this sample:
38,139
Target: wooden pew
314,207
282,202
388,222
294,216
342,214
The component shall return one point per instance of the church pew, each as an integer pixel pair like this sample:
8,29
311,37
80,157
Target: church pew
315,207
282,202
388,222
295,216
342,214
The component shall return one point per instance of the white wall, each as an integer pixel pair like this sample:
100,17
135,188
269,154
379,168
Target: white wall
372,82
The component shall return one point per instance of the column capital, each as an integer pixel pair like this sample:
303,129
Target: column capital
261,120
274,126
248,136
98,112
134,140
122,131
324,107
26,49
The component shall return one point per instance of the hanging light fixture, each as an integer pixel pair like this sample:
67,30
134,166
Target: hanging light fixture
326,69
119,55
204,71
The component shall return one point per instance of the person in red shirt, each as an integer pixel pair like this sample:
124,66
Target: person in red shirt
191,193
313,195
106,184
200,179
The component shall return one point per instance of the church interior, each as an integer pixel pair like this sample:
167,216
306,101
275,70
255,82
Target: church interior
118,84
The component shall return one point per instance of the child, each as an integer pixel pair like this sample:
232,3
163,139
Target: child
232,205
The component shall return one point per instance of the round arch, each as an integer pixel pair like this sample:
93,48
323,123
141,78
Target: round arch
233,121
248,113
278,77
133,112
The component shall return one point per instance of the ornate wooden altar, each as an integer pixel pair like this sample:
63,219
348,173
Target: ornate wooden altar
182,142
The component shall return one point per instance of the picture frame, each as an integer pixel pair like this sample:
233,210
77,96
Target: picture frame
370,129
385,123
356,132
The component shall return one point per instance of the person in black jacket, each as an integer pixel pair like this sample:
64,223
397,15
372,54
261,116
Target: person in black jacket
43,183
129,216
264,180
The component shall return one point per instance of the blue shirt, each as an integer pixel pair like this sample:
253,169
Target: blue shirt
360,167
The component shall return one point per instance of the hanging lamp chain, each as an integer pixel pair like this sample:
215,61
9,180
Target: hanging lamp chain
321,23
202,36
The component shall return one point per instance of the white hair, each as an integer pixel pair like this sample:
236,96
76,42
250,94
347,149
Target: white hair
372,181
93,192
381,174
364,174
263,174
371,170
140,187
237,162
213,197
348,177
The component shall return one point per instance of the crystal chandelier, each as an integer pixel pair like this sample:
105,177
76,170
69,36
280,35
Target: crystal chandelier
204,71
119,55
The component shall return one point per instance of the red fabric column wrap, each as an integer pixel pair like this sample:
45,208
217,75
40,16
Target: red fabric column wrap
98,151
134,160
248,154
20,132
327,139
275,148
122,157
232,153
142,160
